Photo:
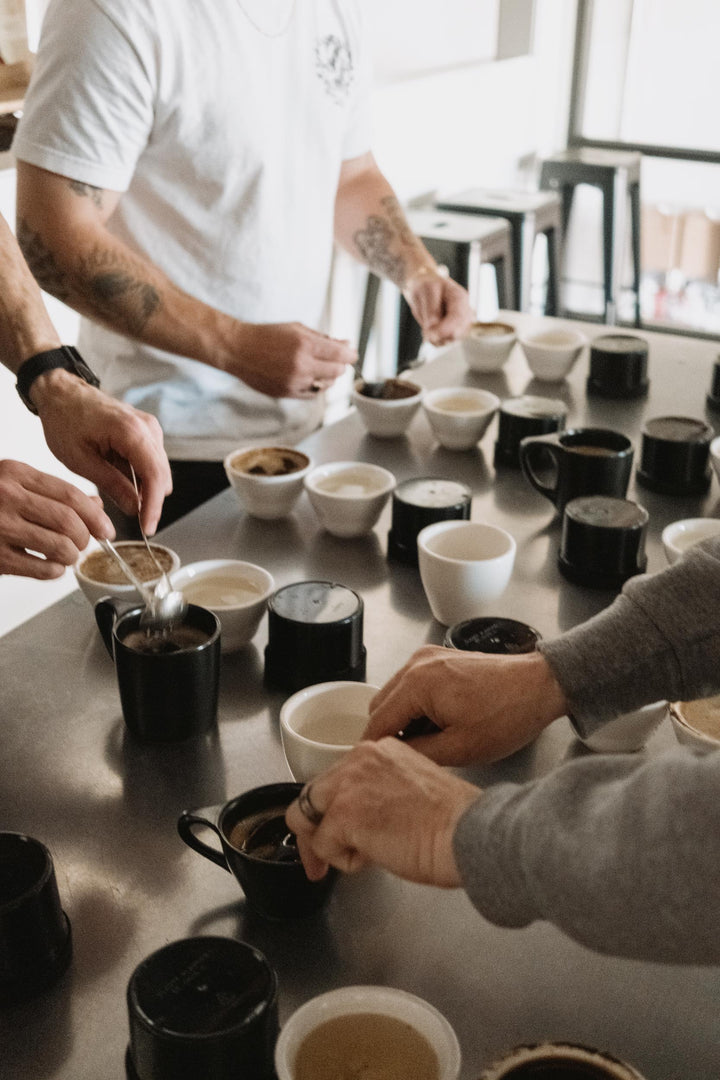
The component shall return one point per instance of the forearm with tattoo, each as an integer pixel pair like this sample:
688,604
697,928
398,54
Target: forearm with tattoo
387,244
102,284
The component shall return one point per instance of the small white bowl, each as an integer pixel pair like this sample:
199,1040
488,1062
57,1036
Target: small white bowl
384,1000
697,723
488,345
551,354
320,724
628,733
95,588
236,592
267,495
349,496
387,418
715,455
460,415
681,535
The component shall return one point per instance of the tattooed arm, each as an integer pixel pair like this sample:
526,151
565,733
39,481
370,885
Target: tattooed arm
62,228
371,225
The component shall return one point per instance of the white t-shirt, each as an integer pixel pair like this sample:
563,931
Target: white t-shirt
225,124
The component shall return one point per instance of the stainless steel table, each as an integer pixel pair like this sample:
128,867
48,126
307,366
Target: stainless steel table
107,807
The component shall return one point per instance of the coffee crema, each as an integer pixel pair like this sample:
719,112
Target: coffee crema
265,836
101,566
491,329
392,390
269,461
334,729
365,1046
163,642
349,483
460,403
221,590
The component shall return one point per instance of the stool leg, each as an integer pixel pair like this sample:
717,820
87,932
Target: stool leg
518,286
635,219
505,284
609,284
552,295
372,289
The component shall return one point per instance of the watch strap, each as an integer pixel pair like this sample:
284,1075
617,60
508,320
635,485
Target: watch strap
65,356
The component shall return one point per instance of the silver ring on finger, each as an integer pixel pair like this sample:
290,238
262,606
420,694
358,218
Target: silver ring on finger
307,809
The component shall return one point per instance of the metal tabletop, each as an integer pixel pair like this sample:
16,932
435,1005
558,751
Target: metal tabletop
107,806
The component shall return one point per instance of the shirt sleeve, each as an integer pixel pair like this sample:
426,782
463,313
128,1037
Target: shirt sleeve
659,640
89,109
623,857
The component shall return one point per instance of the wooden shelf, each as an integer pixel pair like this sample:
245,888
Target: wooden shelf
14,79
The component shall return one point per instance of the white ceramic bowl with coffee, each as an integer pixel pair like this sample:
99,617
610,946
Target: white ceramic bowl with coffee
322,723
459,416
98,574
552,354
267,479
697,723
488,345
387,416
367,1030
679,536
349,496
236,591
463,566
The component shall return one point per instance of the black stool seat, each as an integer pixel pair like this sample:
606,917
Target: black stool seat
617,174
530,213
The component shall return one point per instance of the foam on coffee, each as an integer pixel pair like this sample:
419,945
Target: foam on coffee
101,566
269,461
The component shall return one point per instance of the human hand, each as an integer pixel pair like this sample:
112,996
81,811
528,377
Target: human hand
440,305
286,359
384,804
99,437
486,706
43,514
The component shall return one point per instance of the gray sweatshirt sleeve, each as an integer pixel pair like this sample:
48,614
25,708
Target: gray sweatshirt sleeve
622,856
660,639
622,853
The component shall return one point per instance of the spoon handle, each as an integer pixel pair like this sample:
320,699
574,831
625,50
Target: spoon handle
130,574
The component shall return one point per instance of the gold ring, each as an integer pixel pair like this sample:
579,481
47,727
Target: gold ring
316,386
313,815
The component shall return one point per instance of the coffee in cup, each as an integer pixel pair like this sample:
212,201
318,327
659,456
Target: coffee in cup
267,479
559,1061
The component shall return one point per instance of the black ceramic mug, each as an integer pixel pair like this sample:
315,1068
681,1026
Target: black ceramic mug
35,938
580,461
168,686
675,455
521,417
260,851
202,1008
603,541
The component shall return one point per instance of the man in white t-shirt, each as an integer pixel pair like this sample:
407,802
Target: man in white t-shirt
184,167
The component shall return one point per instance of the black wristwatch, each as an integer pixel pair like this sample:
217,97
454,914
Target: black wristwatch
66,356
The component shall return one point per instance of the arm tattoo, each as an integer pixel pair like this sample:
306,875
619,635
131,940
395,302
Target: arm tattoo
378,241
105,286
87,191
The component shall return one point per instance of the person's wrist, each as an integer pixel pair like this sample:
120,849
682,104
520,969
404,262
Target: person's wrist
55,385
549,693
421,273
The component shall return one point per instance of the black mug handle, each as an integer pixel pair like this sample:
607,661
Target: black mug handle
208,817
530,451
107,612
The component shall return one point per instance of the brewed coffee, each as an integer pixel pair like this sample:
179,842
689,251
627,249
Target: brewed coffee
161,642
265,836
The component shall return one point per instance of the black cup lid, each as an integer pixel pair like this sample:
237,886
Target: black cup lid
492,635
432,493
606,512
530,405
618,345
618,366
678,429
204,987
315,603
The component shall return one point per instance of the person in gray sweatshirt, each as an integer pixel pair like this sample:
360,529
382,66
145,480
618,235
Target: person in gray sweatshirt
620,852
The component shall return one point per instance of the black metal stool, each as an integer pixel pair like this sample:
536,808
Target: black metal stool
462,242
617,174
531,214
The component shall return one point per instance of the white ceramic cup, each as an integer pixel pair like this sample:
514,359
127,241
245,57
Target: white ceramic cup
267,496
460,415
237,592
697,723
95,589
628,733
384,1000
319,724
678,536
349,496
463,566
552,354
387,419
488,345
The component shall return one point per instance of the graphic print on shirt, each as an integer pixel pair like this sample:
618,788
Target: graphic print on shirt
334,67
